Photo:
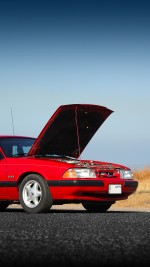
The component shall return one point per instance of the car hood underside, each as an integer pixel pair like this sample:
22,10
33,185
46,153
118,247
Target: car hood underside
69,130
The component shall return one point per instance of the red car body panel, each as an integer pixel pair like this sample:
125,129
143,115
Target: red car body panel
14,169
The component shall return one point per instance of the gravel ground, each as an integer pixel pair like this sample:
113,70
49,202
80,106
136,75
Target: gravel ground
74,237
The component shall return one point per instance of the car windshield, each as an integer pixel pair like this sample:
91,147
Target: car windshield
16,146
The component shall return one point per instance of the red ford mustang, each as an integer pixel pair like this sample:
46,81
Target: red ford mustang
39,173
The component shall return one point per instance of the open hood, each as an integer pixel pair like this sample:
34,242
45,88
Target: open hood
69,130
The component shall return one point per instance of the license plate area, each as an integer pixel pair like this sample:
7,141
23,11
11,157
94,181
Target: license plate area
114,189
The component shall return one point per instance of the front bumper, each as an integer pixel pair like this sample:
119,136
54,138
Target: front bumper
90,189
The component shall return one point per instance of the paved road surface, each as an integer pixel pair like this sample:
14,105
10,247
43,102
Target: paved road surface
74,238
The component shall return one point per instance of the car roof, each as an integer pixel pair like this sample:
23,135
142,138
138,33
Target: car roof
16,136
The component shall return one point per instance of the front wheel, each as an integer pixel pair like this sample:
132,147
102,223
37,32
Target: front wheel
34,194
93,206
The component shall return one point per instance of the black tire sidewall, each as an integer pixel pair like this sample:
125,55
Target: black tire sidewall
46,200
3,205
100,207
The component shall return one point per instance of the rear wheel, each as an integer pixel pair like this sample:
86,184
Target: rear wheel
34,194
3,205
93,206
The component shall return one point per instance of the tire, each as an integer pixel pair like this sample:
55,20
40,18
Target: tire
3,205
34,194
93,206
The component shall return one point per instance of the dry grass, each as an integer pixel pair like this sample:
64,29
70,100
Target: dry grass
141,198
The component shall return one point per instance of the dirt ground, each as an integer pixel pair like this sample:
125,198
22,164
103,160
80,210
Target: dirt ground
80,207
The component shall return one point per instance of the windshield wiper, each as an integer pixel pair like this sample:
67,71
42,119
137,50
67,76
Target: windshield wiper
55,156
18,155
65,156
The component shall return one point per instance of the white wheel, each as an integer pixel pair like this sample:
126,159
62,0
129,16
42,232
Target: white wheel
34,194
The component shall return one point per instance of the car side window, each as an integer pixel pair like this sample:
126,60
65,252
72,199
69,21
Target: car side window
1,155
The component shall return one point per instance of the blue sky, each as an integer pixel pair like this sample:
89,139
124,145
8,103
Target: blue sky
62,52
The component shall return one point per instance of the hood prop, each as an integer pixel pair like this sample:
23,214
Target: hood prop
77,129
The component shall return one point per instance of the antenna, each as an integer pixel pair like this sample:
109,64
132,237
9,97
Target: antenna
12,121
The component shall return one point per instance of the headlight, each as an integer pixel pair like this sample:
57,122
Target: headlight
126,174
79,173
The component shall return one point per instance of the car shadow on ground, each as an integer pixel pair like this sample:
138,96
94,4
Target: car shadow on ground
58,211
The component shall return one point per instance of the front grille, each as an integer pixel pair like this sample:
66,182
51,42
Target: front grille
107,170
105,174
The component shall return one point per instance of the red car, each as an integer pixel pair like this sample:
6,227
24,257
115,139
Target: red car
39,173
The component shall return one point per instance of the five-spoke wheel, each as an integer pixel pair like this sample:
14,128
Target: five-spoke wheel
34,194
